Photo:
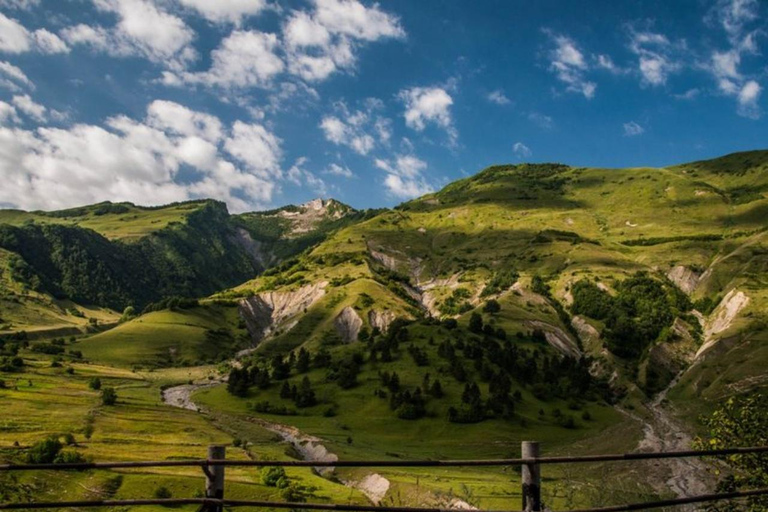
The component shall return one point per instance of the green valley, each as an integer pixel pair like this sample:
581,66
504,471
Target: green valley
595,310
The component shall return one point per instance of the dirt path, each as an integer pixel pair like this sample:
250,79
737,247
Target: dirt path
684,477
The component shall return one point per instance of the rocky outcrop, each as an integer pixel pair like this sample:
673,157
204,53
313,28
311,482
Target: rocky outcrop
381,319
589,336
383,259
254,248
722,318
684,278
265,311
557,337
348,324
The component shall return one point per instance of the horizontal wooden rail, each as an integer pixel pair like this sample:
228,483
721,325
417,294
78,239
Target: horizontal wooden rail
207,502
385,463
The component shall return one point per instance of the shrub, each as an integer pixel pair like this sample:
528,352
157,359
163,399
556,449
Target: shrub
271,475
108,396
94,383
492,306
163,493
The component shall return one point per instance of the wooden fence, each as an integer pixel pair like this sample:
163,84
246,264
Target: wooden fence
216,462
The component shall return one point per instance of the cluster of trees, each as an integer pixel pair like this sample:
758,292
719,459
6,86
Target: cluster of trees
635,317
478,326
409,405
51,451
500,282
302,395
456,303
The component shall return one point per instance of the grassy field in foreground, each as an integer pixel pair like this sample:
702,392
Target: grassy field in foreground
41,401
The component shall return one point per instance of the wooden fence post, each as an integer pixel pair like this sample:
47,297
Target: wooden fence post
214,477
531,478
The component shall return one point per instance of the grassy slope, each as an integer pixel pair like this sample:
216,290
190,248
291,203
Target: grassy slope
139,427
182,337
521,217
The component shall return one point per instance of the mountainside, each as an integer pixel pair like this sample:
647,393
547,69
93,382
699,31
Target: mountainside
674,257
115,255
593,310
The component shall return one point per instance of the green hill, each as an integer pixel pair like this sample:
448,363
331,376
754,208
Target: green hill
114,255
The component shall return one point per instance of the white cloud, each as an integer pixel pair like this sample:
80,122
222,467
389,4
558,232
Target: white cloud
690,94
735,16
256,147
178,119
404,178
570,65
632,129
29,107
355,129
140,161
748,99
48,42
338,170
353,19
226,11
300,176
15,38
542,121
498,97
324,40
521,150
143,29
23,5
425,105
656,56
406,188
8,114
12,77
243,59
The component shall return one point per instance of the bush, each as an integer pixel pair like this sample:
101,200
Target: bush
94,383
108,396
270,476
163,493
44,452
492,306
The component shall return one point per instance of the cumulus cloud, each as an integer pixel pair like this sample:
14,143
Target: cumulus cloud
13,78
655,56
521,150
8,114
498,97
243,59
429,105
339,170
15,38
748,98
356,129
29,107
225,11
143,29
404,178
735,17
570,65
325,39
632,129
140,161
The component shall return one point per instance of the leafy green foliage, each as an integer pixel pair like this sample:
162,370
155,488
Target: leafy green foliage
500,282
740,422
642,308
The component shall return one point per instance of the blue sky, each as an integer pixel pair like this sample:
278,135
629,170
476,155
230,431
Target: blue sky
262,103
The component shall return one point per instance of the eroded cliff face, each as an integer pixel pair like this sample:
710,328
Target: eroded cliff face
348,324
265,312
722,318
381,319
684,278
